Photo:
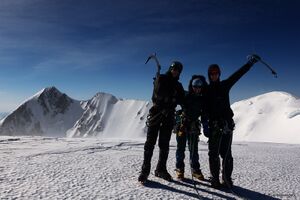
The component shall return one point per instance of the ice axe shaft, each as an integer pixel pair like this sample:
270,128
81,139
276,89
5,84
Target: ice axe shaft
258,58
153,56
269,67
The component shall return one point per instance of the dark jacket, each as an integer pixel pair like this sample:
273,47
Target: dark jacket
218,104
168,92
194,104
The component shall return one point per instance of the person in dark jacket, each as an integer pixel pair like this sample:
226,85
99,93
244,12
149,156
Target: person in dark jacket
221,124
167,94
189,127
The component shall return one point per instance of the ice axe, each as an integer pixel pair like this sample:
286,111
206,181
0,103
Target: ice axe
270,68
263,62
153,56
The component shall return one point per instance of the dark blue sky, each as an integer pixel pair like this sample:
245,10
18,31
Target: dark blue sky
83,47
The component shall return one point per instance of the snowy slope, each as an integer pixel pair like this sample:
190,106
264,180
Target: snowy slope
52,113
107,116
49,112
93,168
271,117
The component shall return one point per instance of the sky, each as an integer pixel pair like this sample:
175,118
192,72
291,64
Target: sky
84,47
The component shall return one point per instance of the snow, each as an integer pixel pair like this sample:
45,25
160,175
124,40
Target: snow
108,116
271,117
94,168
102,154
43,114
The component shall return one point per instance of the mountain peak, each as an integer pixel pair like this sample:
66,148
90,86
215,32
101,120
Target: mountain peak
102,94
48,90
51,88
51,91
51,99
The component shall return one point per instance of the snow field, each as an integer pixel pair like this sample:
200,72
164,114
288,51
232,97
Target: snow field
70,168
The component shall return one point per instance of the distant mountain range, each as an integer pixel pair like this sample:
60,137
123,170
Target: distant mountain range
271,117
52,113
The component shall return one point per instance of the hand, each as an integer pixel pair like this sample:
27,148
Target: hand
181,131
253,58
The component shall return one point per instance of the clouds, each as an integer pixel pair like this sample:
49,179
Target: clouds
98,41
50,34
73,33
54,25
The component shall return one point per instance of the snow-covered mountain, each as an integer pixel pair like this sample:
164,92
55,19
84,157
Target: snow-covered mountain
52,113
49,112
105,115
271,117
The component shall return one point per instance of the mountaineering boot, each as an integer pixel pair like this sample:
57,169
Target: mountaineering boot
215,183
227,183
161,169
214,165
227,172
145,172
143,178
164,174
179,174
146,165
198,175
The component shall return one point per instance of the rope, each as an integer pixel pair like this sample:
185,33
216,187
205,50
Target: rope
154,120
157,118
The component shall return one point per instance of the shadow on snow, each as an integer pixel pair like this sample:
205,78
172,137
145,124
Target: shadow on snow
238,192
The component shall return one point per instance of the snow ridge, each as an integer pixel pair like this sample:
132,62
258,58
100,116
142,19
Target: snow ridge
52,113
107,116
270,117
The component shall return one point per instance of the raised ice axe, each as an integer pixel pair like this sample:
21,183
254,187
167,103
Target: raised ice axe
263,62
153,56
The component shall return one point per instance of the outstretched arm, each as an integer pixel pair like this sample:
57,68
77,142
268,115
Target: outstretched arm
243,70
238,74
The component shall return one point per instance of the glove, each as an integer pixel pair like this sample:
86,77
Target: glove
253,58
181,131
206,130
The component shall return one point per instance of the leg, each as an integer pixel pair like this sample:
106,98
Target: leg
227,162
181,144
193,147
213,153
163,142
194,157
152,134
